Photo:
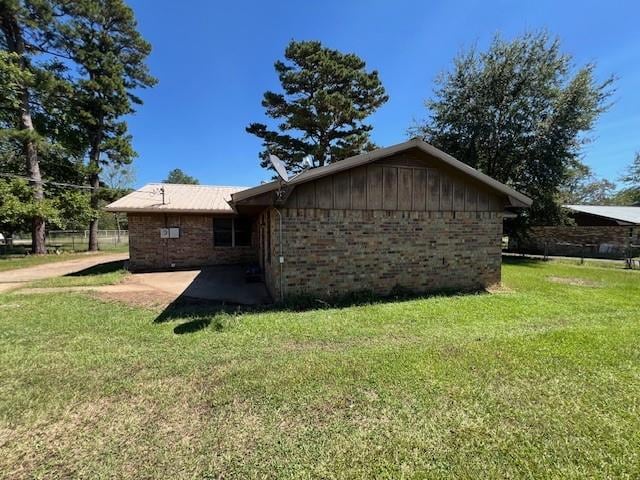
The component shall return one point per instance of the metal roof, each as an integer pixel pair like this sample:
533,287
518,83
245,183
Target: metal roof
178,198
621,214
369,157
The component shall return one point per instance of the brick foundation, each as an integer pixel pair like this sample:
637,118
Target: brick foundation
194,248
334,252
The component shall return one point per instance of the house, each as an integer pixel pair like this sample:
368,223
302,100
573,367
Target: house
407,216
598,231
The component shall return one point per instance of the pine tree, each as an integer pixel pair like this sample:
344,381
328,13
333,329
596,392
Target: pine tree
327,96
18,73
630,195
178,176
101,38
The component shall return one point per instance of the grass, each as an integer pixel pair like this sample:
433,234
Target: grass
11,262
103,274
542,380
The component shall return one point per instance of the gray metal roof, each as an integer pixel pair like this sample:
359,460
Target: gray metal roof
178,198
621,214
518,199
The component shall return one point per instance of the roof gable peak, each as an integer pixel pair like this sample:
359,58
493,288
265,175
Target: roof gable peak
516,198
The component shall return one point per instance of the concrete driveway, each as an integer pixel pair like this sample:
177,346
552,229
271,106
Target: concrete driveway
11,279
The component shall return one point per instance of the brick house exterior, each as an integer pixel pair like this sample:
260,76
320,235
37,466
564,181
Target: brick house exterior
194,248
330,252
405,217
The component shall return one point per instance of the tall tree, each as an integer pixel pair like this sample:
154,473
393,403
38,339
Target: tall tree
101,38
520,113
119,181
63,208
15,202
630,195
632,174
178,176
327,96
18,66
582,187
119,178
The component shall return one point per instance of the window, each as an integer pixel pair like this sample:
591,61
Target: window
223,232
242,232
232,232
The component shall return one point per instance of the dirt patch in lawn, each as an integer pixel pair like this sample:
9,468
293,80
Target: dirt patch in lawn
132,294
150,299
129,291
575,281
499,288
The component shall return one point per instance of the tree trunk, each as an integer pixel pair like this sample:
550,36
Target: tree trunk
38,246
15,43
94,181
323,157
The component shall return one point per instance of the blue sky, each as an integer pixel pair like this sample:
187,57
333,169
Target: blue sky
214,60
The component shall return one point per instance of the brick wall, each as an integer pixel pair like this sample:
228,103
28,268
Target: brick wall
194,248
590,241
332,252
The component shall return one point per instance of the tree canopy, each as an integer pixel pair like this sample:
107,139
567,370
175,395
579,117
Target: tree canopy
520,113
20,75
327,95
15,206
178,176
582,187
101,38
630,195
62,208
69,74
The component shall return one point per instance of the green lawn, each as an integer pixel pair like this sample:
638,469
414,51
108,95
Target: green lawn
11,262
103,274
540,380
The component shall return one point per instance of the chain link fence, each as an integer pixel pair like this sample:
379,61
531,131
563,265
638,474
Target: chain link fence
79,239
546,249
66,241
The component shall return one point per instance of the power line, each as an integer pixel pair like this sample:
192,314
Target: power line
136,194
50,182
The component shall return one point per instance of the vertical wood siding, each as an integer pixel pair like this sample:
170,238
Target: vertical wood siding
402,184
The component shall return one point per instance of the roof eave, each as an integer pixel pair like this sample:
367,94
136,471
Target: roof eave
516,198
229,211
252,192
619,221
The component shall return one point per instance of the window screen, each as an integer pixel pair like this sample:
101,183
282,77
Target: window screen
223,232
242,229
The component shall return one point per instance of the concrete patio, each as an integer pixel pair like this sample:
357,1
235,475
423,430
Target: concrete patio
225,284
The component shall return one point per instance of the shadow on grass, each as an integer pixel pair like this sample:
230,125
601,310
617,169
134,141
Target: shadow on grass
523,261
192,326
200,314
102,268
